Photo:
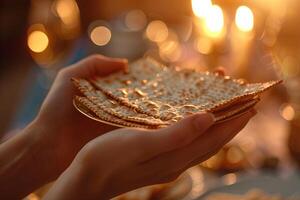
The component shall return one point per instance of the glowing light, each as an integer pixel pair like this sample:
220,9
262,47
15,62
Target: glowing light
287,112
234,155
100,35
67,10
157,31
37,41
203,45
32,196
170,50
201,7
244,19
135,20
214,21
229,179
290,66
215,161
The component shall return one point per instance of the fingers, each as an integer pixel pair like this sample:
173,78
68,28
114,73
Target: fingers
213,139
217,136
212,152
177,135
95,65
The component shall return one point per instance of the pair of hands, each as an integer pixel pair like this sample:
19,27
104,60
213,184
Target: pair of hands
123,159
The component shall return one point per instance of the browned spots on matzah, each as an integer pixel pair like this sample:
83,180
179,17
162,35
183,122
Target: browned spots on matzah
105,117
154,95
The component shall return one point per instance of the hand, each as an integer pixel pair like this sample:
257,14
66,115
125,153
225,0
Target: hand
126,159
63,130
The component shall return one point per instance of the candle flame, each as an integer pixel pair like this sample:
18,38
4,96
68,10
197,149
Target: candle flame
244,19
214,21
201,7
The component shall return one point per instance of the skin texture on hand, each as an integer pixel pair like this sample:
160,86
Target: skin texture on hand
105,165
46,147
126,159
70,130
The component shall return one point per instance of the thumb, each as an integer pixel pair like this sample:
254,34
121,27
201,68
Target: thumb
179,134
95,65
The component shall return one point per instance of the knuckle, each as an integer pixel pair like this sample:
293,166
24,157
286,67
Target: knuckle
86,154
94,57
63,73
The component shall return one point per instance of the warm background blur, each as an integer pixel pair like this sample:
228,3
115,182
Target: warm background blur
253,39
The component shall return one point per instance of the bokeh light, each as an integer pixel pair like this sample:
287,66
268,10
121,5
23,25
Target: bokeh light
290,66
203,45
67,10
214,22
157,31
37,41
201,7
135,20
100,35
287,112
229,179
244,19
170,49
234,155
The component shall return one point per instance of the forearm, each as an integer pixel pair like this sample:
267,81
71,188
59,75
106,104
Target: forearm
77,182
23,164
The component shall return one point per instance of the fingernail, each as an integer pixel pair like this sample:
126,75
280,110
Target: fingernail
204,121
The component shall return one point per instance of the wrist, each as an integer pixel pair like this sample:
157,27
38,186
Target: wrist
79,180
40,152
24,163
92,179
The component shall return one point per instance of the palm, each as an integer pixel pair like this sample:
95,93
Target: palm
69,129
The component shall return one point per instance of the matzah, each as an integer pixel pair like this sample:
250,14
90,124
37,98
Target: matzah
86,107
169,93
150,95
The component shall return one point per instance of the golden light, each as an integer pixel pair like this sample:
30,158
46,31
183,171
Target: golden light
201,7
67,10
37,41
215,161
244,19
203,45
32,196
135,20
214,21
287,112
229,179
170,50
157,31
234,155
290,66
100,35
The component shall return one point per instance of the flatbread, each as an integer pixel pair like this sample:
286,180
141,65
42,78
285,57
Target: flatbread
86,107
89,109
112,107
170,93
235,111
